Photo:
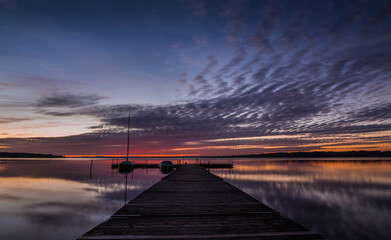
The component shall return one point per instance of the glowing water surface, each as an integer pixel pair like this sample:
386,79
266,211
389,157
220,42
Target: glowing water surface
62,199
338,198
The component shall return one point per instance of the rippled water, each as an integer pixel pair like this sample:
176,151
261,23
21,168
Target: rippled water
62,199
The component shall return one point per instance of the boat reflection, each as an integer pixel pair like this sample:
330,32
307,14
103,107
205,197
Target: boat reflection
126,167
126,172
166,170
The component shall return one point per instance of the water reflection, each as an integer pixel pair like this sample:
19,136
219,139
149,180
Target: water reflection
63,199
126,172
340,200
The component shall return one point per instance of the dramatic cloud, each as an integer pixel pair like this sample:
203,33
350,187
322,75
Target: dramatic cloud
269,76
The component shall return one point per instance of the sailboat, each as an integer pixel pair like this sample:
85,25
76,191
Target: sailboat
126,165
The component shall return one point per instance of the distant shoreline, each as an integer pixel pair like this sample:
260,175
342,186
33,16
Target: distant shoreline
28,155
367,154
278,155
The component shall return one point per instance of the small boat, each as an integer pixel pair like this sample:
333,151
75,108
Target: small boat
126,166
166,167
166,164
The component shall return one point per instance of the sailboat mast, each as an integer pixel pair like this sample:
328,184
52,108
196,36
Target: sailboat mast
127,151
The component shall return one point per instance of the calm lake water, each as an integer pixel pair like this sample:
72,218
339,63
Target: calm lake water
63,199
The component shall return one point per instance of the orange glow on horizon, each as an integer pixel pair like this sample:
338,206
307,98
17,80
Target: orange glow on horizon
124,156
365,147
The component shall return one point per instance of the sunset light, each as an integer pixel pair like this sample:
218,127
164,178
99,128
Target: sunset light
262,77
195,119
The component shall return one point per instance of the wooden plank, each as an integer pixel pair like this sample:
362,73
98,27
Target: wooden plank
191,203
286,235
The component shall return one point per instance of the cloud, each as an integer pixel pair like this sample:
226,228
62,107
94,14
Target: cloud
12,120
238,56
69,100
283,71
234,12
378,113
212,62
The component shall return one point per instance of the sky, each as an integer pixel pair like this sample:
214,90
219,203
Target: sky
197,77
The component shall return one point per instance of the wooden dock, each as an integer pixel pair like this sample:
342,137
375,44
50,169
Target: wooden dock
191,203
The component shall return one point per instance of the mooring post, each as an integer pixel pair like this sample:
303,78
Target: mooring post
91,169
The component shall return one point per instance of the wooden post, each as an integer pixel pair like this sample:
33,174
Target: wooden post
91,169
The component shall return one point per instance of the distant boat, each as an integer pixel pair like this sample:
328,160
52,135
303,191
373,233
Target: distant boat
166,164
126,166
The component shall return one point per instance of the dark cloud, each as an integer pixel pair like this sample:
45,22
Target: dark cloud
379,113
57,114
238,56
211,63
69,100
200,79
